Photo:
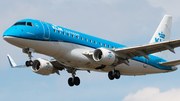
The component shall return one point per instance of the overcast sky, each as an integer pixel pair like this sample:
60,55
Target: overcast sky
128,22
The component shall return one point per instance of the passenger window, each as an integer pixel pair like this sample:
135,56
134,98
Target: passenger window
91,41
81,38
109,46
105,45
29,24
86,39
72,35
113,47
63,33
59,32
68,34
100,43
77,37
54,30
95,42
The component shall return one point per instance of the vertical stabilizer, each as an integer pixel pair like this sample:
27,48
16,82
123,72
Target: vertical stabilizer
162,33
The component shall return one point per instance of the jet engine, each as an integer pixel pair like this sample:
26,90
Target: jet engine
42,66
105,56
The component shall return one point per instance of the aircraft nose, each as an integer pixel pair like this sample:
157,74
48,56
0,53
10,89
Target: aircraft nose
12,32
9,32
6,34
6,37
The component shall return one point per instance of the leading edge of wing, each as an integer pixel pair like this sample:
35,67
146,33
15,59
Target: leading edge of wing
145,50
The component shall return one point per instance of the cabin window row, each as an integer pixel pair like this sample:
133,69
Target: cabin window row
83,39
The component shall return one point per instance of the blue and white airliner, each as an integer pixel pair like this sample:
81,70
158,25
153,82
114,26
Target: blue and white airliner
73,51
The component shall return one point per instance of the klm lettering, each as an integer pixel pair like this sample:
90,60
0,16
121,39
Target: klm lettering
161,37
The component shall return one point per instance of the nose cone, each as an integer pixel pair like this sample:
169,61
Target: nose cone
7,34
11,34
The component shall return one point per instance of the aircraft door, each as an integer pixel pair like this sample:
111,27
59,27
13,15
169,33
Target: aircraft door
46,30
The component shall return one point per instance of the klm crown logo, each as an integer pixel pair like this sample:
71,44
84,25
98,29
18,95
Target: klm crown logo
161,35
47,66
110,55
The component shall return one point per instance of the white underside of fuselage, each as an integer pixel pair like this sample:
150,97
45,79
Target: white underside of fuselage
71,55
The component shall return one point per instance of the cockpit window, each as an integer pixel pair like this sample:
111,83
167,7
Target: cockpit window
24,23
20,23
29,24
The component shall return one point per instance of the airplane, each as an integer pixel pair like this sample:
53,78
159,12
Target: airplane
74,51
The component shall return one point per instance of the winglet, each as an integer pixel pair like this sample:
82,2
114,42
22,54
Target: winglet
11,61
13,64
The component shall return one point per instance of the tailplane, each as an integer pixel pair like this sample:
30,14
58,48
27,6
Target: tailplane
162,33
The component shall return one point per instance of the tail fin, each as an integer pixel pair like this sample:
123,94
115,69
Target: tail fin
162,33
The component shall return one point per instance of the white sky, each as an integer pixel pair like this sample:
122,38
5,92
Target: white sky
128,22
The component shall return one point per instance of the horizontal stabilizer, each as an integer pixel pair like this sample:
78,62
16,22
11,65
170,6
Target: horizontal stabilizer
13,64
170,63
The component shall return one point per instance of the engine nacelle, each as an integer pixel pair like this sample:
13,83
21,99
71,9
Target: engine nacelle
105,56
42,66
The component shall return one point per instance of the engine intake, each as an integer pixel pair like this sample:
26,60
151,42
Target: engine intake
42,66
105,56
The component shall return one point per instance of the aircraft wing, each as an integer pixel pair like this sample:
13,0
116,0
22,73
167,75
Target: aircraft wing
145,50
55,63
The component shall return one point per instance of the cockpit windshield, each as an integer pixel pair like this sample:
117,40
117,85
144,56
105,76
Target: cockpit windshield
20,23
29,24
24,23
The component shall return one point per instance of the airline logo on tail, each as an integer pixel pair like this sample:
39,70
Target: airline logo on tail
161,37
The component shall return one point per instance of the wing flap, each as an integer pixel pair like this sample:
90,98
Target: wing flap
170,63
